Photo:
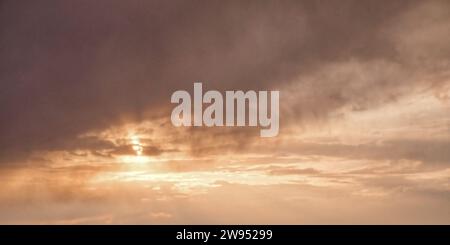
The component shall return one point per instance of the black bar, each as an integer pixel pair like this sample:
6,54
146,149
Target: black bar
280,233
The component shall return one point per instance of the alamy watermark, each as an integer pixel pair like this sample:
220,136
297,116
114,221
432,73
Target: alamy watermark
213,114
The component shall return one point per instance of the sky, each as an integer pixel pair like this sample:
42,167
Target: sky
86,136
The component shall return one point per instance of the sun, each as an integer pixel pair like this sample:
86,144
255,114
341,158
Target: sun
136,145
138,148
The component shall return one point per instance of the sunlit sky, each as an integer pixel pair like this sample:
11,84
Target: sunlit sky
86,136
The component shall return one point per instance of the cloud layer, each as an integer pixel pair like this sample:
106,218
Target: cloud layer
365,110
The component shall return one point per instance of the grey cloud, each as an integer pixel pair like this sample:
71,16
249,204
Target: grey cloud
71,67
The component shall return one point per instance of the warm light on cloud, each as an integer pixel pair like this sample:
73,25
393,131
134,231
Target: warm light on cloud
364,133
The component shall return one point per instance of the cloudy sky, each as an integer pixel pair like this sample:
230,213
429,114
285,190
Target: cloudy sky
364,112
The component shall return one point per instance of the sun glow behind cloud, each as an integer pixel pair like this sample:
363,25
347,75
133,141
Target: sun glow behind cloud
334,166
365,119
135,159
136,145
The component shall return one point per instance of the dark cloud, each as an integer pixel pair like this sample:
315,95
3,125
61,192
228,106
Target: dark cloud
128,150
68,67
